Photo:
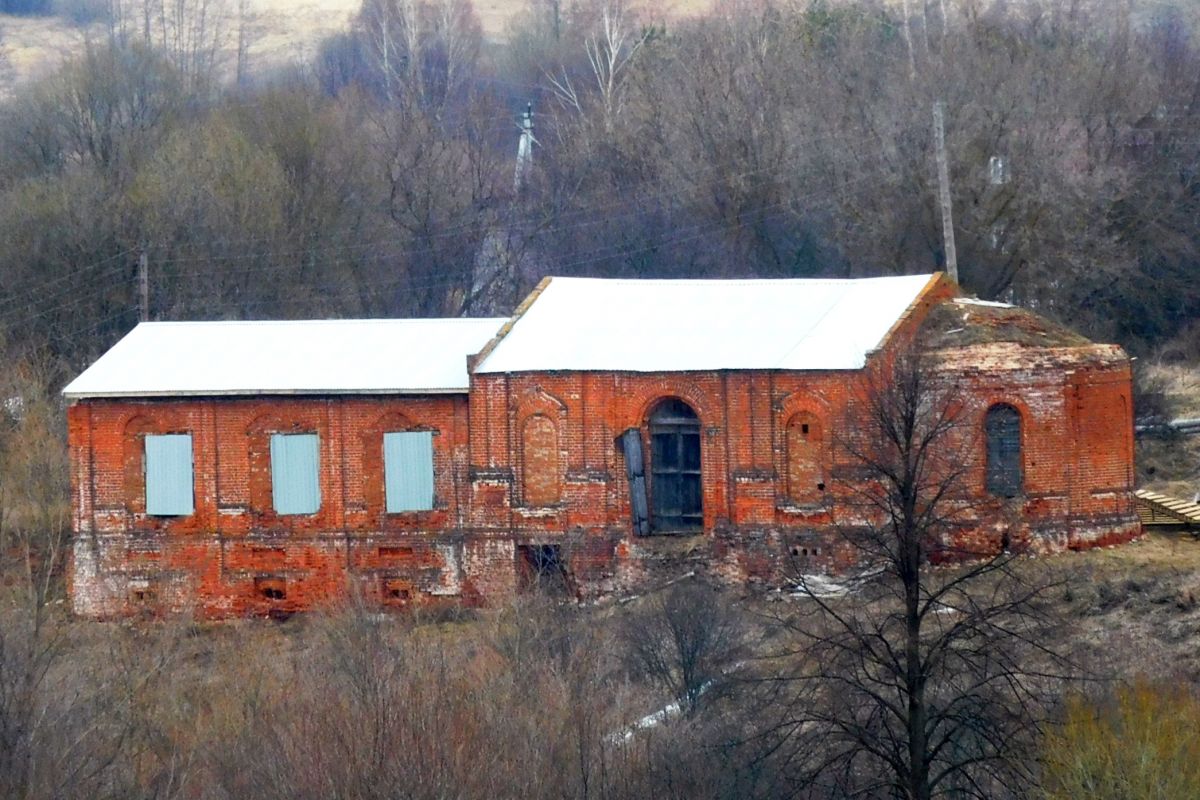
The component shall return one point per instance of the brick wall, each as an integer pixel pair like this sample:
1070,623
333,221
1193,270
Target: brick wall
533,460
234,555
771,494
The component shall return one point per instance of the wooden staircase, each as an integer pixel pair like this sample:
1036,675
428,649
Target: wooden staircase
1156,509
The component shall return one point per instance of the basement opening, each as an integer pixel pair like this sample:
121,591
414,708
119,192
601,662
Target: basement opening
396,591
271,588
396,553
143,595
541,569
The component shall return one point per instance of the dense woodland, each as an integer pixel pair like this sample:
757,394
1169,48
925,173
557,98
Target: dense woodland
766,139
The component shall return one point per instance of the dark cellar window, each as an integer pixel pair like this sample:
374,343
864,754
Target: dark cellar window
1002,428
271,588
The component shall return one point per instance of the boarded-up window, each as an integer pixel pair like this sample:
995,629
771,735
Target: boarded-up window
1002,428
805,476
295,486
169,475
408,471
540,461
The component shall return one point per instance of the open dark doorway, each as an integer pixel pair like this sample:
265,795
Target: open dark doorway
675,488
540,568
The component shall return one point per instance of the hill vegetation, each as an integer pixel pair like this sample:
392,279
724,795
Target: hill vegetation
372,172
765,139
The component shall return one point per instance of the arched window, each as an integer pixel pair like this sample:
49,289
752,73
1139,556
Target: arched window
675,490
1002,427
805,476
539,461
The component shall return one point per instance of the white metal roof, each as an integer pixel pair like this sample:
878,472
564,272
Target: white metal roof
417,356
679,325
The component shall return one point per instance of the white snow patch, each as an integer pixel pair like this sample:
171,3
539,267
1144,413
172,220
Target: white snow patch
827,586
975,301
648,721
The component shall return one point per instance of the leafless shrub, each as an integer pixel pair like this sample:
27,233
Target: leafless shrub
686,639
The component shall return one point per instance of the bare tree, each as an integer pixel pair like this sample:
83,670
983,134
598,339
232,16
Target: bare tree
195,36
423,54
686,639
611,50
923,682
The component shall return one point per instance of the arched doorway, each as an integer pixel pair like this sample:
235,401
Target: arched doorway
675,488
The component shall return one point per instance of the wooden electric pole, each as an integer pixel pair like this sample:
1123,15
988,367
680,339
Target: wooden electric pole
939,139
143,287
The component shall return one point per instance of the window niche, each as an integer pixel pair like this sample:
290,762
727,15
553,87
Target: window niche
408,471
295,473
1004,468
157,467
169,475
539,462
805,454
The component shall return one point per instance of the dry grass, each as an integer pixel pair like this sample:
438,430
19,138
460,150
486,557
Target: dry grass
1181,383
1153,553
30,47
1134,609
1172,465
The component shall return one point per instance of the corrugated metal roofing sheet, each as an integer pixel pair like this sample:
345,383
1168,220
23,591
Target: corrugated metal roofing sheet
681,325
425,356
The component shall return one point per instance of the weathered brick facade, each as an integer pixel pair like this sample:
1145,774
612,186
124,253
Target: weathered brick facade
529,460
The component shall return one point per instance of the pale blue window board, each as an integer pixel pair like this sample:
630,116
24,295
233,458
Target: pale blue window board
408,471
295,462
169,491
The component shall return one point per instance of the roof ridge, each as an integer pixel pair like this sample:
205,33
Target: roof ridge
734,281
346,321
672,325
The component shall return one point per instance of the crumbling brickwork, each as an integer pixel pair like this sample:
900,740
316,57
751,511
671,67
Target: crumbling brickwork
531,469
234,555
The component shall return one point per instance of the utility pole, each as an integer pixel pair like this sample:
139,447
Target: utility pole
143,286
524,150
943,171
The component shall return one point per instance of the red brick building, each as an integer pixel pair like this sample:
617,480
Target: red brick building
234,468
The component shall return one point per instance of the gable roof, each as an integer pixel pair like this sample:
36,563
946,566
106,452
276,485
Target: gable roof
589,324
376,356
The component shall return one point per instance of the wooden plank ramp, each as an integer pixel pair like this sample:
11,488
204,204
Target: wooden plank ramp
1160,509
